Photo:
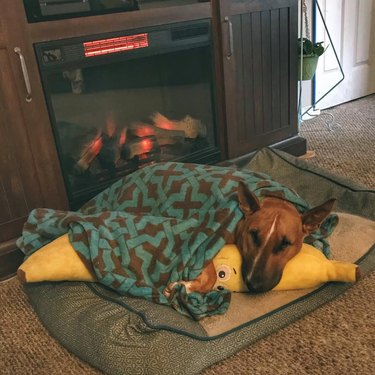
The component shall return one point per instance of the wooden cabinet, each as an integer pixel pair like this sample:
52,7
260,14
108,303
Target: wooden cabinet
259,52
29,169
20,189
256,92
17,189
30,173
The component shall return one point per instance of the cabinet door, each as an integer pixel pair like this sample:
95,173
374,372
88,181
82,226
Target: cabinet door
29,169
19,186
259,45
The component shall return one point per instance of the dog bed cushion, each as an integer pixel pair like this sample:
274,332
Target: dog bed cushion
125,335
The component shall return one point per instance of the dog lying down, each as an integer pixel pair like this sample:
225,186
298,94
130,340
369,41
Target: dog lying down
58,261
270,234
160,227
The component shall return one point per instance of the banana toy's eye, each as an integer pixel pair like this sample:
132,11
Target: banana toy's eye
223,273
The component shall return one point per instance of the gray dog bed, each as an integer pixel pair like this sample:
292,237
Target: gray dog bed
124,335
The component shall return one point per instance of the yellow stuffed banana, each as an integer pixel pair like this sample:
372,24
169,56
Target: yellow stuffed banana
56,261
308,269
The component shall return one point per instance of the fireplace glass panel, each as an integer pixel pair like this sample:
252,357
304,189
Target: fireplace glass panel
113,117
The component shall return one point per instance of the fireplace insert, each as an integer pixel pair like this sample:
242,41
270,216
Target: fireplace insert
121,101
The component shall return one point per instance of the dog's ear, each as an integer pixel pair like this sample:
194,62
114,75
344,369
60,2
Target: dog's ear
248,202
312,219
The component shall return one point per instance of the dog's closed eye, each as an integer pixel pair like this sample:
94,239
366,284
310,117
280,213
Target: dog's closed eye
254,233
282,245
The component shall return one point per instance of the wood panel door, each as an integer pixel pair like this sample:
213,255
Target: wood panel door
29,170
19,187
259,46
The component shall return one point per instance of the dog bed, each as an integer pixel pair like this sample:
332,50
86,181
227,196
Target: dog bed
125,335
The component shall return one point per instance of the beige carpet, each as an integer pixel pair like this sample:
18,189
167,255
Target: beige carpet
348,149
338,338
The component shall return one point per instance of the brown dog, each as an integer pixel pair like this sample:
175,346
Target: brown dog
270,233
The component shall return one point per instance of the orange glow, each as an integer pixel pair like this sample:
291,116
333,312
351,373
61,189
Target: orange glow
167,125
113,45
111,126
145,131
96,145
122,139
146,145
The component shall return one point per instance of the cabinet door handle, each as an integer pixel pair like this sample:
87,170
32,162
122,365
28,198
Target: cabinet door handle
230,35
17,50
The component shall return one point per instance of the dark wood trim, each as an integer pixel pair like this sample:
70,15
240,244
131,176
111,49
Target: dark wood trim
219,94
76,27
296,146
12,228
293,65
10,259
258,5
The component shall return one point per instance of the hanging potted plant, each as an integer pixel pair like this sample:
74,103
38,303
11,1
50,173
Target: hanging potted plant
310,55
310,51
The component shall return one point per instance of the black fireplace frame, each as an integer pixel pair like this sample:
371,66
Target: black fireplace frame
187,35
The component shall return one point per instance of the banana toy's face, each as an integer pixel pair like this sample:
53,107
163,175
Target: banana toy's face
308,269
228,270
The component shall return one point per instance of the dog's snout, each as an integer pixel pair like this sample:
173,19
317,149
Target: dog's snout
261,284
257,288
259,279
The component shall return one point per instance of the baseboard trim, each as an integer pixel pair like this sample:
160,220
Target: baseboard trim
296,146
10,259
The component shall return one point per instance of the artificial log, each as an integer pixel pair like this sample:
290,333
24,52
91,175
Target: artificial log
141,146
111,147
163,136
192,127
89,153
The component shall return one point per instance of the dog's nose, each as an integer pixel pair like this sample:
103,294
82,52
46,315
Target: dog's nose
261,286
256,288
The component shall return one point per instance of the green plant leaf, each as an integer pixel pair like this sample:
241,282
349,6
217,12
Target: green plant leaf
318,50
310,48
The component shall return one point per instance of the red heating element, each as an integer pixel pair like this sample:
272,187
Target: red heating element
113,45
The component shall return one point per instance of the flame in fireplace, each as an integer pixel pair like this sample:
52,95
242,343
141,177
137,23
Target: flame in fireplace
146,145
115,145
89,153
110,126
142,130
96,145
163,122
122,138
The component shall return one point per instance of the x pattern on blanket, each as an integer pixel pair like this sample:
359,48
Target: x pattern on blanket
158,225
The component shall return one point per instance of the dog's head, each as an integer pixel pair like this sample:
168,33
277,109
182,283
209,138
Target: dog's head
270,234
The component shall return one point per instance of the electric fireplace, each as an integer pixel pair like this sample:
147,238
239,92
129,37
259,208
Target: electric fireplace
121,101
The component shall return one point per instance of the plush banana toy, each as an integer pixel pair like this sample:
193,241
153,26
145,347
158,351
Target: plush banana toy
308,269
58,261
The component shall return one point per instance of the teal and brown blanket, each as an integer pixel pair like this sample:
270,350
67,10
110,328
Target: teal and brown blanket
160,224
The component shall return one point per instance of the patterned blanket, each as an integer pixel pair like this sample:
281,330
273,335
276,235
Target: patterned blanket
161,224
